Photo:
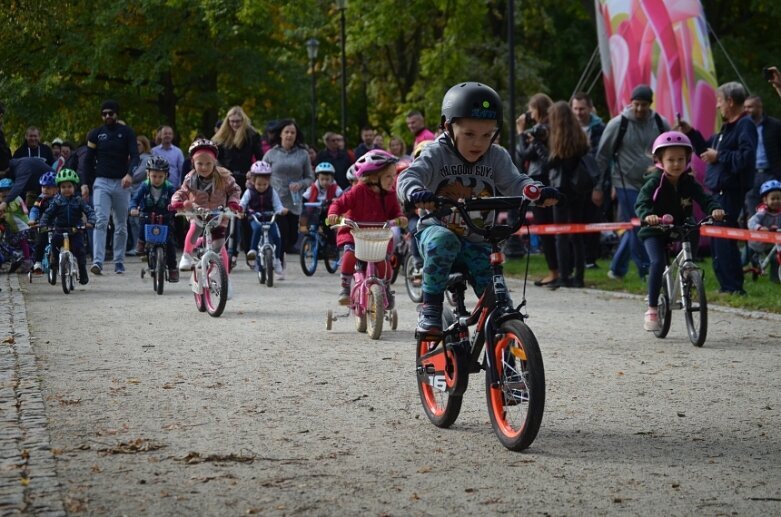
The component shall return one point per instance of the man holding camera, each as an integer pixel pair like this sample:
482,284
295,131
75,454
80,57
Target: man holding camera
625,150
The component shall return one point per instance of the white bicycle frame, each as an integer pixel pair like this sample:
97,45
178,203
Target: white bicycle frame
676,270
67,256
199,281
265,227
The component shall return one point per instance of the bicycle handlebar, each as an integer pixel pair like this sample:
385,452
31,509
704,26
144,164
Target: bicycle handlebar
265,214
63,229
501,204
343,221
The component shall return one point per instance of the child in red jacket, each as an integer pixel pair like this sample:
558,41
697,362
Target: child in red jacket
373,199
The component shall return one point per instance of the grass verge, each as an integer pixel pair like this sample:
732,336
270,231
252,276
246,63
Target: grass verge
763,295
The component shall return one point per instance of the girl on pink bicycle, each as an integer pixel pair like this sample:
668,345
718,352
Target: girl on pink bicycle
373,199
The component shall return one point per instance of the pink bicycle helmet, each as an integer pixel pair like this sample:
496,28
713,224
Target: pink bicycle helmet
671,139
373,161
260,168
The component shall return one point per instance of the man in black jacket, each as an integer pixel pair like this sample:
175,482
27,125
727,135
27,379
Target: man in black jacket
731,157
768,162
112,154
33,148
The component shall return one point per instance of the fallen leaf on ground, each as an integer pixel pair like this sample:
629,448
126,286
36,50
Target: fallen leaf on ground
193,458
10,340
133,447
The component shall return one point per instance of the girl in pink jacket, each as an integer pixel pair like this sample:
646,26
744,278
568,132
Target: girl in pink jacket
371,200
206,186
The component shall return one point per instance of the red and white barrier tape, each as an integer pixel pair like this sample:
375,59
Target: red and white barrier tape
724,232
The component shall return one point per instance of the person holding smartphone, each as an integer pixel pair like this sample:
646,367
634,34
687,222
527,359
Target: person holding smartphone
773,76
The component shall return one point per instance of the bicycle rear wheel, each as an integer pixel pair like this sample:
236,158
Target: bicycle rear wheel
158,279
215,293
517,402
308,255
695,307
375,311
664,311
65,273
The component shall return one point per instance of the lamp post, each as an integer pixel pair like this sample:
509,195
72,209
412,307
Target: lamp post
341,5
511,58
311,50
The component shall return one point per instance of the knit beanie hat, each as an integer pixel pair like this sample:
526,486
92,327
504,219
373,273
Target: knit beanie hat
643,92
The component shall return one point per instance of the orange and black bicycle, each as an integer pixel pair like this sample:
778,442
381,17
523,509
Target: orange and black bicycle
514,371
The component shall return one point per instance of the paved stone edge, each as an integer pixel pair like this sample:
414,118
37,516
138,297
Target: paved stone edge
28,473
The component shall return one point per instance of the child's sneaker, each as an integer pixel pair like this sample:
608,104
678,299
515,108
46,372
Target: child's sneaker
651,320
430,319
38,268
278,269
252,255
173,275
186,262
83,276
230,289
344,295
140,245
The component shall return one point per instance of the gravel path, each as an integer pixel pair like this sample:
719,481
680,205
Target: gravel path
154,408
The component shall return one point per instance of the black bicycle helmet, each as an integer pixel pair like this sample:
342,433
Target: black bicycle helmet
472,100
157,163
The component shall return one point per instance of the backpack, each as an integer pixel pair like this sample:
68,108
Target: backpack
623,127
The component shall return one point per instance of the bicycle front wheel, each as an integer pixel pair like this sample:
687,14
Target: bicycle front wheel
413,279
308,255
375,311
268,260
695,307
439,372
52,268
158,279
331,259
65,273
215,292
664,311
516,403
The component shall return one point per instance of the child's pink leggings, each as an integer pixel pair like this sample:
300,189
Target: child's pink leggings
218,242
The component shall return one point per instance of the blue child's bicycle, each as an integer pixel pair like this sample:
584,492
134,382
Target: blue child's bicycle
48,262
315,245
156,237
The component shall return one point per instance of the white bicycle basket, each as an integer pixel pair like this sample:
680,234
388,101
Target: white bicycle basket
371,244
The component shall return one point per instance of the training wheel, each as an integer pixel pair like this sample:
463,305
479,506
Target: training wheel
329,319
394,319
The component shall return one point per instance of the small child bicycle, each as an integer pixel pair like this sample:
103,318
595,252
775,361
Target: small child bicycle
264,261
156,236
371,300
66,264
682,284
48,262
209,281
315,245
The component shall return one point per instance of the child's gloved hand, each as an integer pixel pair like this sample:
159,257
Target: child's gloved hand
423,199
235,207
718,214
549,196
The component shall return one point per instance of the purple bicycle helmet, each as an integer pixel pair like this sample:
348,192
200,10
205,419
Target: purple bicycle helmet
672,139
373,161
260,168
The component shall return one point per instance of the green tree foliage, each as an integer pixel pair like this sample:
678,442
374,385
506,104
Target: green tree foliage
184,63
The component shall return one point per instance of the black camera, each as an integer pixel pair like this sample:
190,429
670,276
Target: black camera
538,132
767,73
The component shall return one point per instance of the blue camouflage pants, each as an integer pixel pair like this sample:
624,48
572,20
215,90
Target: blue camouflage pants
442,249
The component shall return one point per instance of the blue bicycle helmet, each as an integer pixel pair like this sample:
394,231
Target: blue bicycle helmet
325,168
6,184
769,186
48,179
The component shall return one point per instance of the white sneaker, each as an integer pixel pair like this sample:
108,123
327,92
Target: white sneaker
651,322
279,269
37,268
186,262
252,255
230,289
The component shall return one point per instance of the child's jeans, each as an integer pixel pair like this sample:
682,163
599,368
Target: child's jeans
442,249
273,235
656,248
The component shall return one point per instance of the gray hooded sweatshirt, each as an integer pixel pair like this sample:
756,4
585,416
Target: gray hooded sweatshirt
440,170
634,154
